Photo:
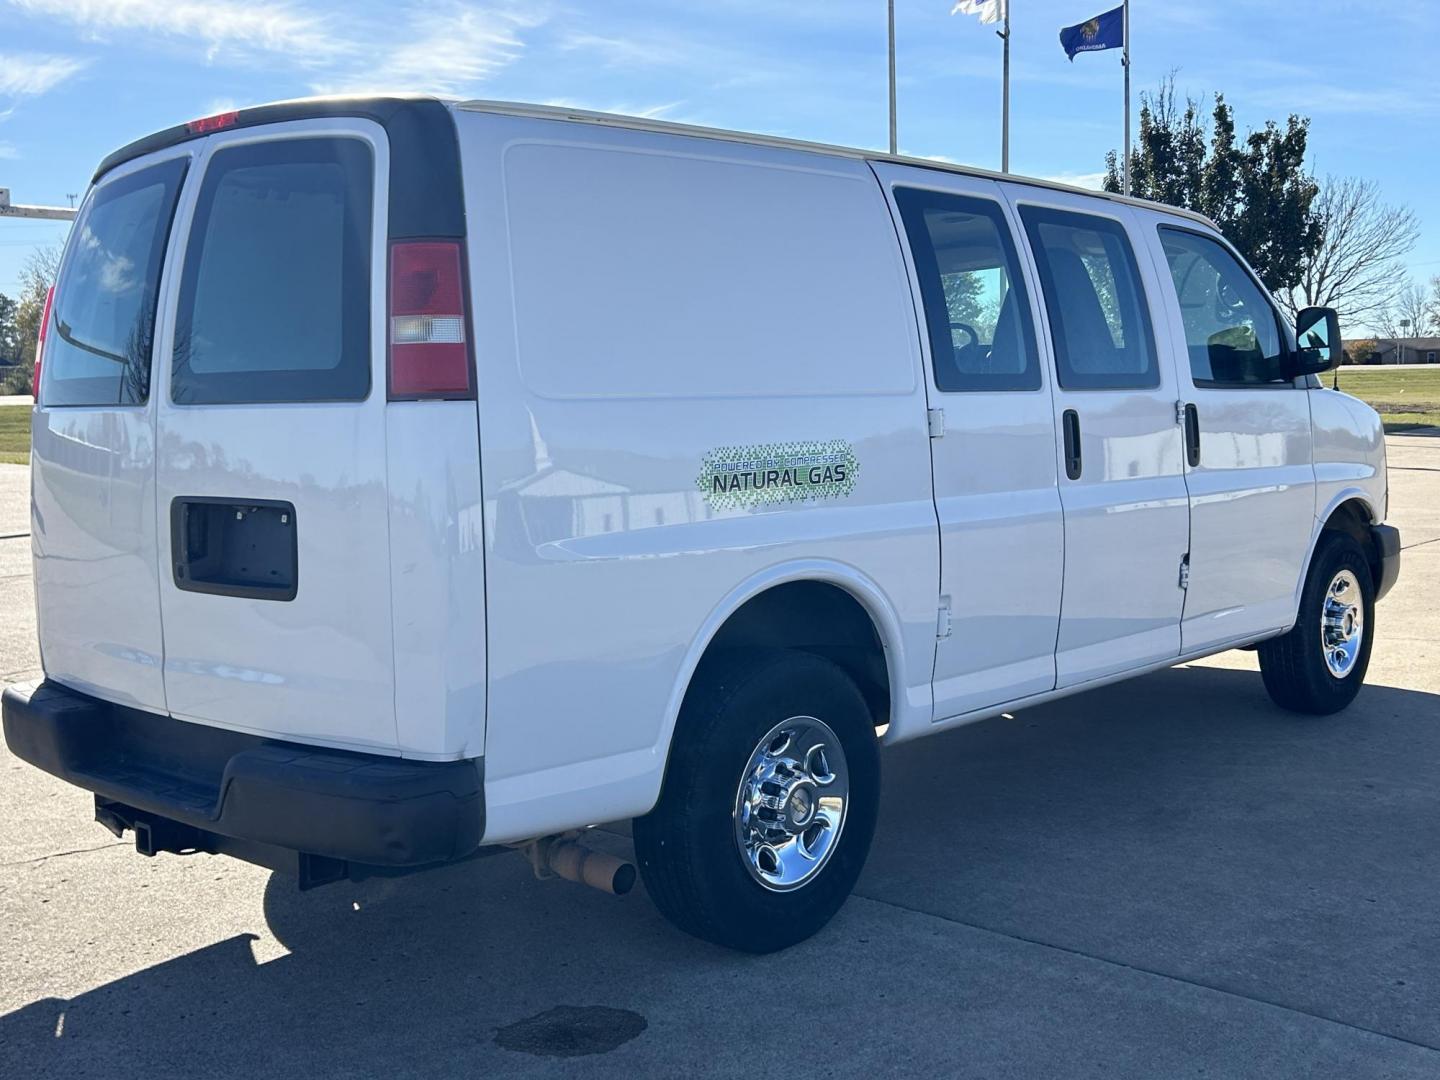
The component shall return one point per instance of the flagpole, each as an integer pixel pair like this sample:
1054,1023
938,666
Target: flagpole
893,129
1005,95
1126,63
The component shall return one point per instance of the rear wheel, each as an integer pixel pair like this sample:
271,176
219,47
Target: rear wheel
769,801
1319,666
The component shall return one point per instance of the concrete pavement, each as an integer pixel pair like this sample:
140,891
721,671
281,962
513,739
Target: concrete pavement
1163,878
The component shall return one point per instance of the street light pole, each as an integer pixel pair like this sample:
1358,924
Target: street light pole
49,213
894,129
1005,92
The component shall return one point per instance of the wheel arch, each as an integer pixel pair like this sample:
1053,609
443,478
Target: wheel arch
825,598
1351,512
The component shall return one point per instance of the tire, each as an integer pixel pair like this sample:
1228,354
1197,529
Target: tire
696,867
1294,666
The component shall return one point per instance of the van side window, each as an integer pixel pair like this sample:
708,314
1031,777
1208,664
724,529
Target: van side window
275,295
1230,328
976,307
1096,304
97,350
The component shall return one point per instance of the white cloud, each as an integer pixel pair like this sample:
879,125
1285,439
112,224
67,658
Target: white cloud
644,112
421,46
626,51
441,50
8,151
1094,181
270,26
26,74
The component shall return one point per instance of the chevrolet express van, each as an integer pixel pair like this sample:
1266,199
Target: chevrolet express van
415,478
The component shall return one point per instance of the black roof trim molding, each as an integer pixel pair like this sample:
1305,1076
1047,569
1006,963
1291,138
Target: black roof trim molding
426,197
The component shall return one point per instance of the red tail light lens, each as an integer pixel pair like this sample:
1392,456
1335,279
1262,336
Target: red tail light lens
40,343
428,354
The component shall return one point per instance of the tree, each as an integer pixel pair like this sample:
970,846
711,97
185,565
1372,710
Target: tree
35,281
9,334
1359,351
1410,314
1258,192
1357,268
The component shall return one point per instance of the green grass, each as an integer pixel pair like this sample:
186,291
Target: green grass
15,434
1404,399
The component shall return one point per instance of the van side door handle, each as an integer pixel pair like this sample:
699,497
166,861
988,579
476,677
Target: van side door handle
1070,425
1192,436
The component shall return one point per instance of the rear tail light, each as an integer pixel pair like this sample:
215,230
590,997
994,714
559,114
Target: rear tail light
428,353
40,343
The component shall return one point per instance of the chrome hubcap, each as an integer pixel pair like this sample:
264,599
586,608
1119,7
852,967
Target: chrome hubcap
791,804
1342,624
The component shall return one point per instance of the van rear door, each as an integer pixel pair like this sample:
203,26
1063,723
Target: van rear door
93,432
270,509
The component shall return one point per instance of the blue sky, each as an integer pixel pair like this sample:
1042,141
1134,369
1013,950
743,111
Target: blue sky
80,77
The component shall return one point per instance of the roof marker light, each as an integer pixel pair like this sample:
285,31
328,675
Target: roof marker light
207,124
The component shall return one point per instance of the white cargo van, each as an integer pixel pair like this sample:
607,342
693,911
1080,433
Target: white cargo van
414,478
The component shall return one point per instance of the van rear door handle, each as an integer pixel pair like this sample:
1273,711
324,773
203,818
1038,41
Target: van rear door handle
1070,425
1192,436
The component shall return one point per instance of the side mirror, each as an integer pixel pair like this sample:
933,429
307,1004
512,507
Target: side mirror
1317,330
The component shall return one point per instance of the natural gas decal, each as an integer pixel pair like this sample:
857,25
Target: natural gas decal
737,476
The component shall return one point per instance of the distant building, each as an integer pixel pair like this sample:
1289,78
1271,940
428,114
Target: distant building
1417,350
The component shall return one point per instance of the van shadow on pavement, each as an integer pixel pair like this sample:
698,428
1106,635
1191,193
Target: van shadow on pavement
1177,824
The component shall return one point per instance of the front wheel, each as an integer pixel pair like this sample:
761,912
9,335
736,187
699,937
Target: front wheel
1319,665
769,802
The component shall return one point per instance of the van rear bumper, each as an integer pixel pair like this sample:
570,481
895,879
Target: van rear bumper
186,786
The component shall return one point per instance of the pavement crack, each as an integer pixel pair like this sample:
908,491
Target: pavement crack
1139,969
1420,543
15,536
61,854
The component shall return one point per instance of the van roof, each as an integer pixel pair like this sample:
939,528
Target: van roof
387,107
640,123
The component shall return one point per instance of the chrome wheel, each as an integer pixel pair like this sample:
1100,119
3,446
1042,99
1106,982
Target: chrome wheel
1342,624
791,804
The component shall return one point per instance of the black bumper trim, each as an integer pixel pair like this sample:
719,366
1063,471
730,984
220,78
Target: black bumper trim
1387,545
360,808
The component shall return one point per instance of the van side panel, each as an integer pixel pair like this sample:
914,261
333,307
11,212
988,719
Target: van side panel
437,578
671,334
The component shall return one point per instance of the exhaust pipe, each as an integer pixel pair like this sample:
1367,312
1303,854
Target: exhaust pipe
565,857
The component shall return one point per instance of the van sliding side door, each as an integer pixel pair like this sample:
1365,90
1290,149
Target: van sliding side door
993,453
1122,483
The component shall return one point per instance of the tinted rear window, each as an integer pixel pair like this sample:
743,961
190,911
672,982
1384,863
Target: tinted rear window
97,350
275,296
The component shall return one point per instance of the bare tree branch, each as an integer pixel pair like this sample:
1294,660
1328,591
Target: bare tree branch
1357,269
1412,305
